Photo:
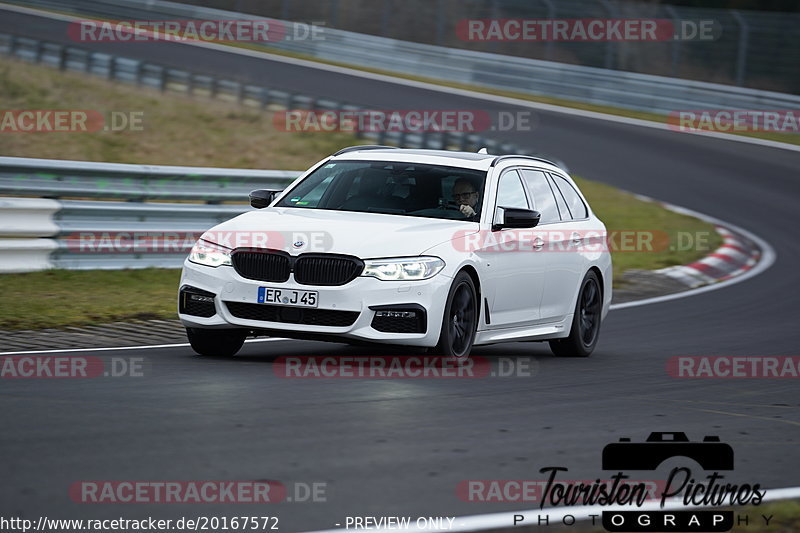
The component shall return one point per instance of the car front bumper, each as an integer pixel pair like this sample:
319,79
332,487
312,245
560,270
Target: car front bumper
358,296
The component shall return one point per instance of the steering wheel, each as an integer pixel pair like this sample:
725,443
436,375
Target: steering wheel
450,205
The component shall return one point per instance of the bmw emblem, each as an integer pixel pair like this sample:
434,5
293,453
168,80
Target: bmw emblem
298,244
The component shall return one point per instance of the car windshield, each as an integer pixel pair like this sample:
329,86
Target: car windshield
396,188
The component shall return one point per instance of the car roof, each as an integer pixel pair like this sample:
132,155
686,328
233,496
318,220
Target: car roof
471,160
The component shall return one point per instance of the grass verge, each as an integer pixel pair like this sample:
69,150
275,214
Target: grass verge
176,129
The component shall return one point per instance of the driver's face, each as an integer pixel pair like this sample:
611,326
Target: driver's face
465,194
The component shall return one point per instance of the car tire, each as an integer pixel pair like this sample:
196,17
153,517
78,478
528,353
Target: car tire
460,320
216,342
585,329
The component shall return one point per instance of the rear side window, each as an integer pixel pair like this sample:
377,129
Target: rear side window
577,209
510,192
543,199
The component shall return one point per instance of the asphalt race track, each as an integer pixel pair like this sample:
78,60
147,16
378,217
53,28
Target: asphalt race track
386,447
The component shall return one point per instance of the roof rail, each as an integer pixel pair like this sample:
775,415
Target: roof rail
499,158
362,147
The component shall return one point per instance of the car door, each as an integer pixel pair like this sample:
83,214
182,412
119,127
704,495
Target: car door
569,259
515,267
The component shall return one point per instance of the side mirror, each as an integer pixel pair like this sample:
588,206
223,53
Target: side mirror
261,198
513,217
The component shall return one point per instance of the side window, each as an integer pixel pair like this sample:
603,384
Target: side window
576,206
510,192
543,199
562,205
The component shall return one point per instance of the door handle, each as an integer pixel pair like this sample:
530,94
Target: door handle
538,243
576,238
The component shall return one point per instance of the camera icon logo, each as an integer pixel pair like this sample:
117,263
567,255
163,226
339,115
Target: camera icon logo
710,454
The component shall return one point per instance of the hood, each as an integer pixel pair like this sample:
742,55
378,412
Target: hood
364,235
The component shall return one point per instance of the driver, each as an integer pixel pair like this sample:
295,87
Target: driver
466,196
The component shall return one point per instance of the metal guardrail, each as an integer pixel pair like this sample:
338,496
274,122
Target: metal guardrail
192,83
54,231
48,178
531,76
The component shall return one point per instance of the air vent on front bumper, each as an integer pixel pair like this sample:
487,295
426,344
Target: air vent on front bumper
292,315
196,302
402,318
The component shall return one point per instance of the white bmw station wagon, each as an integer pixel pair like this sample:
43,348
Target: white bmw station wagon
421,248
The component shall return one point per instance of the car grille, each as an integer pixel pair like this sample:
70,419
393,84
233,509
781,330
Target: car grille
326,269
292,315
309,269
271,266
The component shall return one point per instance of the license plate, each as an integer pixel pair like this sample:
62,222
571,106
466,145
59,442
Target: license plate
268,295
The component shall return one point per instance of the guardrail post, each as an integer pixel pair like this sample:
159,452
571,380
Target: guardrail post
425,138
112,67
609,61
443,140
741,52
264,97
439,21
162,80
239,92
551,14
676,43
385,16
62,57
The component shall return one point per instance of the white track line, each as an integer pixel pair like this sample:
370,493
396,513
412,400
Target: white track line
438,88
119,348
556,515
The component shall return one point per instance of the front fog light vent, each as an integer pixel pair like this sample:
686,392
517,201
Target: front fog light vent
403,318
196,302
396,314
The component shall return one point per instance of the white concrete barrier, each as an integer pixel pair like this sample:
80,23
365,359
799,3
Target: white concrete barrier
26,255
28,217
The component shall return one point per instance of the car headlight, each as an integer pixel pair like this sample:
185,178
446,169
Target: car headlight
210,254
403,268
